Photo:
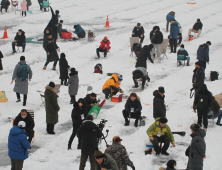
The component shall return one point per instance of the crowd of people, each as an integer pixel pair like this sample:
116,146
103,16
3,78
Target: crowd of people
115,157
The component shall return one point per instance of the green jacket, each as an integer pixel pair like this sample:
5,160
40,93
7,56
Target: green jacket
155,128
51,105
215,106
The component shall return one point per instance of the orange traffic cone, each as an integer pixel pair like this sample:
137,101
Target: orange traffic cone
5,33
107,22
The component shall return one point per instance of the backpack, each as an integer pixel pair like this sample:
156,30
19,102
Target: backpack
23,72
136,47
98,68
214,75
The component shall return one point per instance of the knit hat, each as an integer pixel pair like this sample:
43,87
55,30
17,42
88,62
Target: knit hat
98,154
171,163
93,94
182,46
120,77
161,89
52,84
163,120
89,117
208,42
117,139
198,19
198,63
62,55
105,38
151,46
22,124
138,24
195,127
133,95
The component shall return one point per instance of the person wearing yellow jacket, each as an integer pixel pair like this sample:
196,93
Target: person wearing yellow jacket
112,85
159,131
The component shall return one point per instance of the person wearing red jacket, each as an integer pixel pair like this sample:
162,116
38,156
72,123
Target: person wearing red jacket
104,47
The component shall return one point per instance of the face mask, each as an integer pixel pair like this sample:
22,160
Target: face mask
19,34
23,117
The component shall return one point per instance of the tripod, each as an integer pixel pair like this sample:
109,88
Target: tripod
103,138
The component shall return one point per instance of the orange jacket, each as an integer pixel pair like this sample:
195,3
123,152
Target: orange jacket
112,83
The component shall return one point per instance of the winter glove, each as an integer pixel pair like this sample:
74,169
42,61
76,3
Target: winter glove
133,167
187,151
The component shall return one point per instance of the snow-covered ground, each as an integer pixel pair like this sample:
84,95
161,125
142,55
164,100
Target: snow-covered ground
51,151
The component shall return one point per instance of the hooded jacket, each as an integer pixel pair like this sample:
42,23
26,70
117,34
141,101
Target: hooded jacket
159,107
105,45
89,101
112,83
174,29
78,113
197,150
156,37
138,31
51,105
28,120
155,128
170,16
73,83
108,163
197,26
198,77
79,30
18,144
214,106
119,154
63,68
203,53
182,51
20,38
50,46
143,55
136,105
88,133
203,99
5,3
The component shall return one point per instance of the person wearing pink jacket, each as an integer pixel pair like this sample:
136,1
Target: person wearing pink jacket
24,7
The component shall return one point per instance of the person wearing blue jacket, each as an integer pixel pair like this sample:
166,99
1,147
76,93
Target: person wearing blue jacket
18,145
174,31
79,31
203,54
132,109
170,17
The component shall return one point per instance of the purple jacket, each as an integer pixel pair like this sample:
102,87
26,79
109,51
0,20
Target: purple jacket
203,53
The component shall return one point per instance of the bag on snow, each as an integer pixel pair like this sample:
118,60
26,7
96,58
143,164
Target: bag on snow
23,72
66,35
136,47
214,75
98,68
3,97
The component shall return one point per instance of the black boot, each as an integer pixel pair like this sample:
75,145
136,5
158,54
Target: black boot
136,83
98,55
136,123
126,122
69,147
79,146
188,64
61,82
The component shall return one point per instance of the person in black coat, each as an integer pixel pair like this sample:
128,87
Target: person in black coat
197,28
5,4
198,77
1,56
90,100
89,133
138,31
27,118
63,67
202,103
79,114
156,38
54,22
144,54
19,40
132,109
159,107
50,47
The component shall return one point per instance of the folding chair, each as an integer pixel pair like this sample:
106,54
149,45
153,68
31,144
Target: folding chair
18,48
132,41
41,93
57,88
181,58
45,4
210,115
91,36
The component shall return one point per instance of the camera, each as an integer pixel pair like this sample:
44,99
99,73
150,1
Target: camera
102,123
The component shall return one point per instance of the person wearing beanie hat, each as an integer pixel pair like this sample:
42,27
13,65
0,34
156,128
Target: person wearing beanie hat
118,152
196,151
197,28
104,47
156,38
132,109
51,106
198,77
159,107
73,85
19,40
112,86
90,100
104,161
79,31
143,55
203,54
21,78
159,131
138,31
63,68
88,134
170,17
18,145
182,52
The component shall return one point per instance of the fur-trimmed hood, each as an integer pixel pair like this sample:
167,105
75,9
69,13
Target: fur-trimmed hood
50,88
136,97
